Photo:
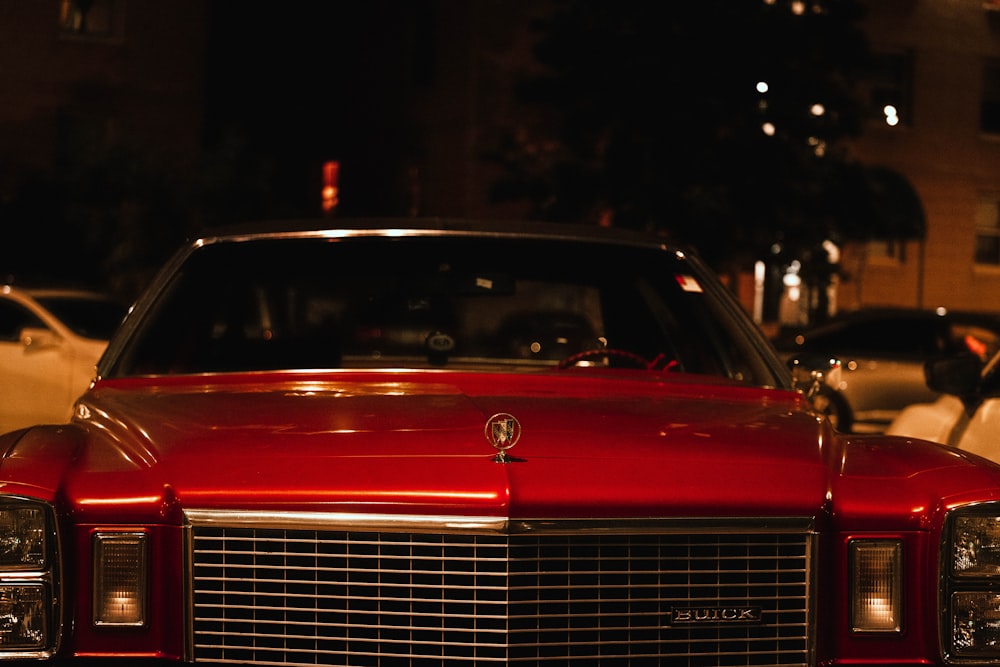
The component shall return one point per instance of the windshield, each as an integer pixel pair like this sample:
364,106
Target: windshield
90,317
512,304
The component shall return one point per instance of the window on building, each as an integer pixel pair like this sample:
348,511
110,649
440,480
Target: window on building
988,231
887,251
989,118
88,18
891,88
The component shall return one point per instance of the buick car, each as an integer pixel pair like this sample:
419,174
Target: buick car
402,442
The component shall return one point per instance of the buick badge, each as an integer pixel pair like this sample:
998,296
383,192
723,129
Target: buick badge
503,431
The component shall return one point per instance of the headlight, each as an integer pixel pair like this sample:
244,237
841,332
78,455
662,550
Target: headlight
971,574
23,616
23,535
976,546
29,580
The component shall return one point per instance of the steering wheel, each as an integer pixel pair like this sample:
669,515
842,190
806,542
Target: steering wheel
596,352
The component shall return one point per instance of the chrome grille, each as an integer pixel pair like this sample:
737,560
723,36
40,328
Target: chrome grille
552,594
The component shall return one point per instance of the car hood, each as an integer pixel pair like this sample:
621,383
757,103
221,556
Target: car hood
593,448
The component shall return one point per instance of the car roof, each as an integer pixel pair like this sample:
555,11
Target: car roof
876,314
789,337
334,227
50,292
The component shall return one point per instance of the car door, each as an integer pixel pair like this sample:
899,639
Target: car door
35,373
979,430
883,362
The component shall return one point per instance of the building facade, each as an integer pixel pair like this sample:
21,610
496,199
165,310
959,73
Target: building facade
97,73
936,119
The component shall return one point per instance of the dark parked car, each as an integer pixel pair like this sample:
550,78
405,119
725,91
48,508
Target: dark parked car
354,445
879,356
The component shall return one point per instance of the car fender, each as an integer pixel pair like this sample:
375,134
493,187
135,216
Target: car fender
36,460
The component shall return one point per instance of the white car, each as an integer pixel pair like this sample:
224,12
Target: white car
966,415
881,354
50,341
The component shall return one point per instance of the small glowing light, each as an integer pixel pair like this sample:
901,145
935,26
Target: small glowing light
768,129
792,282
891,115
817,109
832,251
762,87
880,610
759,270
798,8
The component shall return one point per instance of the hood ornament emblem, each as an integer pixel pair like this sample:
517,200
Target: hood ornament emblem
503,431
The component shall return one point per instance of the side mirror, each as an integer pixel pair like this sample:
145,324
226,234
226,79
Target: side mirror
37,338
811,372
959,376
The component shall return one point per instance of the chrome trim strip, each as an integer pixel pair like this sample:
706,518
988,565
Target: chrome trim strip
493,525
187,622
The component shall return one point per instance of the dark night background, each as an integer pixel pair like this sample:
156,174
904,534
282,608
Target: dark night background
634,114
314,82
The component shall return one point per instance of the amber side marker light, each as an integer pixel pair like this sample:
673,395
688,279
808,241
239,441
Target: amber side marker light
120,579
876,585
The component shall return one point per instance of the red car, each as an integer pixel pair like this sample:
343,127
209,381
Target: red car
446,443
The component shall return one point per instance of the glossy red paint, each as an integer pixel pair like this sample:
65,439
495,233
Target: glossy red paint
629,445
414,443
406,442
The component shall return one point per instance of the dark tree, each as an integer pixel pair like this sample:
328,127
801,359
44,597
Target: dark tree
719,123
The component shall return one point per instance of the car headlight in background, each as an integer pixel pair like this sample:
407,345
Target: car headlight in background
876,585
28,578
971,564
